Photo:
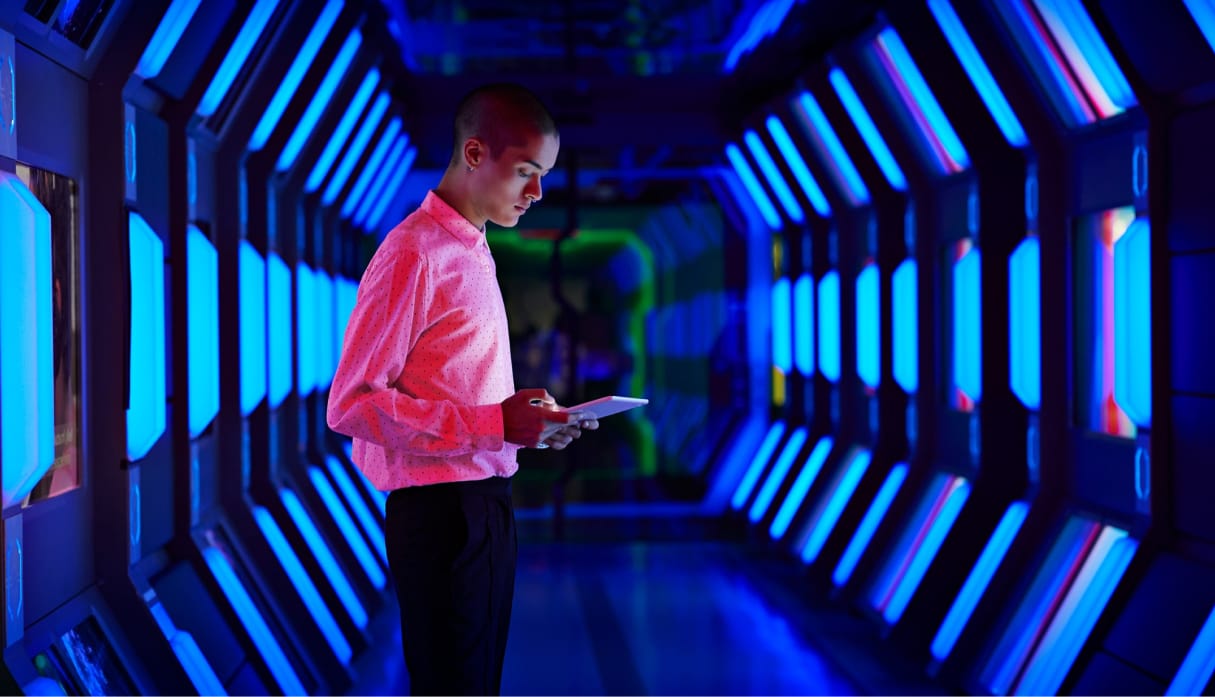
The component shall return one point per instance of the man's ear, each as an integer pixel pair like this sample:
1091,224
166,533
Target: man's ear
474,152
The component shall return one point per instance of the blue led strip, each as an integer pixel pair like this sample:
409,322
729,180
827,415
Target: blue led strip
355,151
27,417
167,34
906,326
868,326
798,166
333,505
1133,322
1025,322
252,328
768,166
743,492
367,521
976,70
779,471
303,584
305,329
327,350
390,191
940,525
263,638
371,169
967,325
280,334
894,568
978,580
819,131
829,510
739,447
237,57
1203,12
868,130
320,101
782,317
829,325
146,414
289,86
869,524
338,138
1034,611
319,547
766,20
801,486
1195,671
754,190
1076,616
202,675
803,324
381,180
202,292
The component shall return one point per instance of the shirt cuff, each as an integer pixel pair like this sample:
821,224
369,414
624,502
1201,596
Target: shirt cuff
488,428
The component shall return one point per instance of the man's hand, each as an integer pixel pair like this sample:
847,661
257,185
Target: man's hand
530,417
565,435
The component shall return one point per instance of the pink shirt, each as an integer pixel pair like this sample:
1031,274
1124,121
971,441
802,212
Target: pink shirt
426,361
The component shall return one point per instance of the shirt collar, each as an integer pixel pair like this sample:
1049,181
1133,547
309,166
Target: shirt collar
451,220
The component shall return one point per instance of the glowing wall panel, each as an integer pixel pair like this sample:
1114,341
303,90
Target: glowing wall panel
202,273
146,413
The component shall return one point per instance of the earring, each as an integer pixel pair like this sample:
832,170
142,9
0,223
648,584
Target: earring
470,168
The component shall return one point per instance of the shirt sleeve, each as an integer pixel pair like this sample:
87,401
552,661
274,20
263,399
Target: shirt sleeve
364,402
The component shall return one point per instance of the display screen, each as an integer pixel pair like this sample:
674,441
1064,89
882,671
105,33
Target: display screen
91,661
1093,317
58,194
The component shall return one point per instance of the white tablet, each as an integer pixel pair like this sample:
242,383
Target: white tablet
606,406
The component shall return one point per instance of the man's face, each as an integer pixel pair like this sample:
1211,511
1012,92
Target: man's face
511,181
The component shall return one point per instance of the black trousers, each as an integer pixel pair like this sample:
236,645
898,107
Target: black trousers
452,551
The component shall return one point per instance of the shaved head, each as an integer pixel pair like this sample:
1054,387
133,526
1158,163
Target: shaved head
500,115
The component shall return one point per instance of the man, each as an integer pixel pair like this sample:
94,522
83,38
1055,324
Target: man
424,386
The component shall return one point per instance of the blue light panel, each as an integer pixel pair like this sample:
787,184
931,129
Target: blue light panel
831,507
868,326
1133,322
263,638
146,414
803,324
27,416
202,276
320,101
167,34
743,492
978,580
906,326
1025,322
385,175
305,326
372,528
766,164
303,584
782,336
1195,671
280,330
346,296
252,328
290,84
1203,12
338,138
739,449
818,129
967,327
976,70
779,471
801,487
372,168
868,130
237,57
754,190
349,532
355,151
829,325
869,524
322,329
798,166
390,191
319,546
202,675
766,20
